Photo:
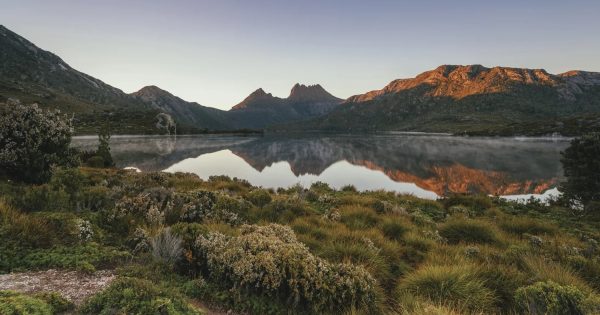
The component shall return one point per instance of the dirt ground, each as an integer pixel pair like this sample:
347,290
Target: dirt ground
72,285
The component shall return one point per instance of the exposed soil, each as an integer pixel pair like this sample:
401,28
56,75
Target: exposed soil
72,285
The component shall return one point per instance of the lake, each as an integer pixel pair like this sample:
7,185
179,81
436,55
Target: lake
427,166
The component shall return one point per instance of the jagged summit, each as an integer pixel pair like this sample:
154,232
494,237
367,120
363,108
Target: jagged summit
311,93
257,98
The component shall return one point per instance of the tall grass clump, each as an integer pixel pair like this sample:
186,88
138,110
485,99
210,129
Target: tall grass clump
166,246
522,225
468,231
458,285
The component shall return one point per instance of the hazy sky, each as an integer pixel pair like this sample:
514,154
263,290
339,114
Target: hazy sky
217,52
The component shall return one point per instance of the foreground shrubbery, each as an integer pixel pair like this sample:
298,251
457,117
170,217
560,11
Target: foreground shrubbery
269,260
314,250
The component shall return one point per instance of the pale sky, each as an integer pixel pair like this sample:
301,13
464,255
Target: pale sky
217,52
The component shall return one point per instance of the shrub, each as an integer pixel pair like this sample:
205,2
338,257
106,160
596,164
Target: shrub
259,197
468,231
550,298
32,141
16,303
458,285
166,246
136,296
582,170
476,203
57,303
270,259
23,230
195,205
348,188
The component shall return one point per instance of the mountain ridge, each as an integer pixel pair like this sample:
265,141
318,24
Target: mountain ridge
475,100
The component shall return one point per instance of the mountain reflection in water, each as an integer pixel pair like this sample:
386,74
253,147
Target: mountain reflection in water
424,165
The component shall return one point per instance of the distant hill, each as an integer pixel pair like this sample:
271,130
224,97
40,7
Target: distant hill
187,113
474,100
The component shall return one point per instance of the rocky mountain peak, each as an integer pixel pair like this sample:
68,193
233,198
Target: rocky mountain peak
310,93
151,93
258,97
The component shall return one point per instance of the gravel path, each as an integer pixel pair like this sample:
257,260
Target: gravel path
72,285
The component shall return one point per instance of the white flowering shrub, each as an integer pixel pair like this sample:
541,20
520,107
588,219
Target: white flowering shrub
269,259
196,205
84,230
139,241
32,141
152,205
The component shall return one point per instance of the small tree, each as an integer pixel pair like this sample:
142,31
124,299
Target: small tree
104,146
581,164
32,141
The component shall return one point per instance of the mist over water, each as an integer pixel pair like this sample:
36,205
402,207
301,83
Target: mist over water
424,165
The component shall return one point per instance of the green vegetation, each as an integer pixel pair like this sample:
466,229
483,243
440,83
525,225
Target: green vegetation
582,170
175,238
14,303
32,141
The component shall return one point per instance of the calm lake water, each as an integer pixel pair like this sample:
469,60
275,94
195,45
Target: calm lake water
424,165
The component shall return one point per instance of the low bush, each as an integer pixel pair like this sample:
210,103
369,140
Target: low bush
137,296
259,197
13,303
271,261
549,297
476,203
468,231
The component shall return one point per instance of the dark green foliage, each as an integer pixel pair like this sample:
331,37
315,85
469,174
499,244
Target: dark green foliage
102,157
550,298
58,304
394,229
82,257
13,303
477,203
468,231
259,197
581,164
137,296
32,141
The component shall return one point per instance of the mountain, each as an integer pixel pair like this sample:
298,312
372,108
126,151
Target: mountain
261,109
188,113
30,74
473,99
